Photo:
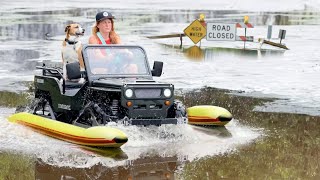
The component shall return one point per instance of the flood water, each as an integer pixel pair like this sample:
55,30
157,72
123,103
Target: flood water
272,93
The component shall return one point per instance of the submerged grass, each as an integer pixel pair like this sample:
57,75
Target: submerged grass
15,99
289,149
12,99
13,166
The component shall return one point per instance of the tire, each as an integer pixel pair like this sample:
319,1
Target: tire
21,109
29,107
92,115
89,117
42,107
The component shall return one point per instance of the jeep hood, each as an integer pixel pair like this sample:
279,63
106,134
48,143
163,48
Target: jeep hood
119,82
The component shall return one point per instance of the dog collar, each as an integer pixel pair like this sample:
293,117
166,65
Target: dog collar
70,42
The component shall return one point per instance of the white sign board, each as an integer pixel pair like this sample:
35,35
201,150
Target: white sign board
221,32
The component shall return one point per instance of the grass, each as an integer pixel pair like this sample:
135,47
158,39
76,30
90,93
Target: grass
15,167
12,99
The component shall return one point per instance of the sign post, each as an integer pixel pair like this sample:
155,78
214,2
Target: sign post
269,34
282,34
195,31
203,22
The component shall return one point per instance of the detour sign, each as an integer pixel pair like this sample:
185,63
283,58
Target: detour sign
195,31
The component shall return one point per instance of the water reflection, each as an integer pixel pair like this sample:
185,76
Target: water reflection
194,53
156,167
219,53
197,53
221,132
114,153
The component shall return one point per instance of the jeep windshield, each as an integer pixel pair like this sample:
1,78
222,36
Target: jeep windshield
107,60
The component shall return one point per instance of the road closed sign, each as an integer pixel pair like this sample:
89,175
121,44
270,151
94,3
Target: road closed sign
221,32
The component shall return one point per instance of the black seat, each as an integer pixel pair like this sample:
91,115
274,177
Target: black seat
73,70
73,75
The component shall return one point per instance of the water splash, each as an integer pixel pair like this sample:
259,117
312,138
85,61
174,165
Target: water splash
183,140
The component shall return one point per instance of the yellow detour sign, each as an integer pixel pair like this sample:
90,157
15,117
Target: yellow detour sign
195,31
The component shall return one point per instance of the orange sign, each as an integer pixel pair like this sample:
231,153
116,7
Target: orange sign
195,31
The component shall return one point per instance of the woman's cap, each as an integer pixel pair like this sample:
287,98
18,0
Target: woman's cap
103,15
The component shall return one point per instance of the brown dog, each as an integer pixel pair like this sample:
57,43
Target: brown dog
71,47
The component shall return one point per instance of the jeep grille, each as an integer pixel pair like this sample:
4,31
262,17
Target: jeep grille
147,93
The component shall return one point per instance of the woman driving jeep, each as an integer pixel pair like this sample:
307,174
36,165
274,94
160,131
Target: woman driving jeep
103,31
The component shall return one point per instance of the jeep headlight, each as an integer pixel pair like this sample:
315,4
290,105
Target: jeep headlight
128,93
167,93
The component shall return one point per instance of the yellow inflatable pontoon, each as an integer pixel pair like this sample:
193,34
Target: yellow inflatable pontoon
97,136
208,115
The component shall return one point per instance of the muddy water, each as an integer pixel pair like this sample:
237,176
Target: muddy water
261,142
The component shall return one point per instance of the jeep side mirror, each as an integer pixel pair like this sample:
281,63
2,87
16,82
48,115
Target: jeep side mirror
157,68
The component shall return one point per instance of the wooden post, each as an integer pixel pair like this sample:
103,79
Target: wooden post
282,34
269,34
245,21
245,35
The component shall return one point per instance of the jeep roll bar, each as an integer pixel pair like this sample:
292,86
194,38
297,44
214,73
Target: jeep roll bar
55,72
